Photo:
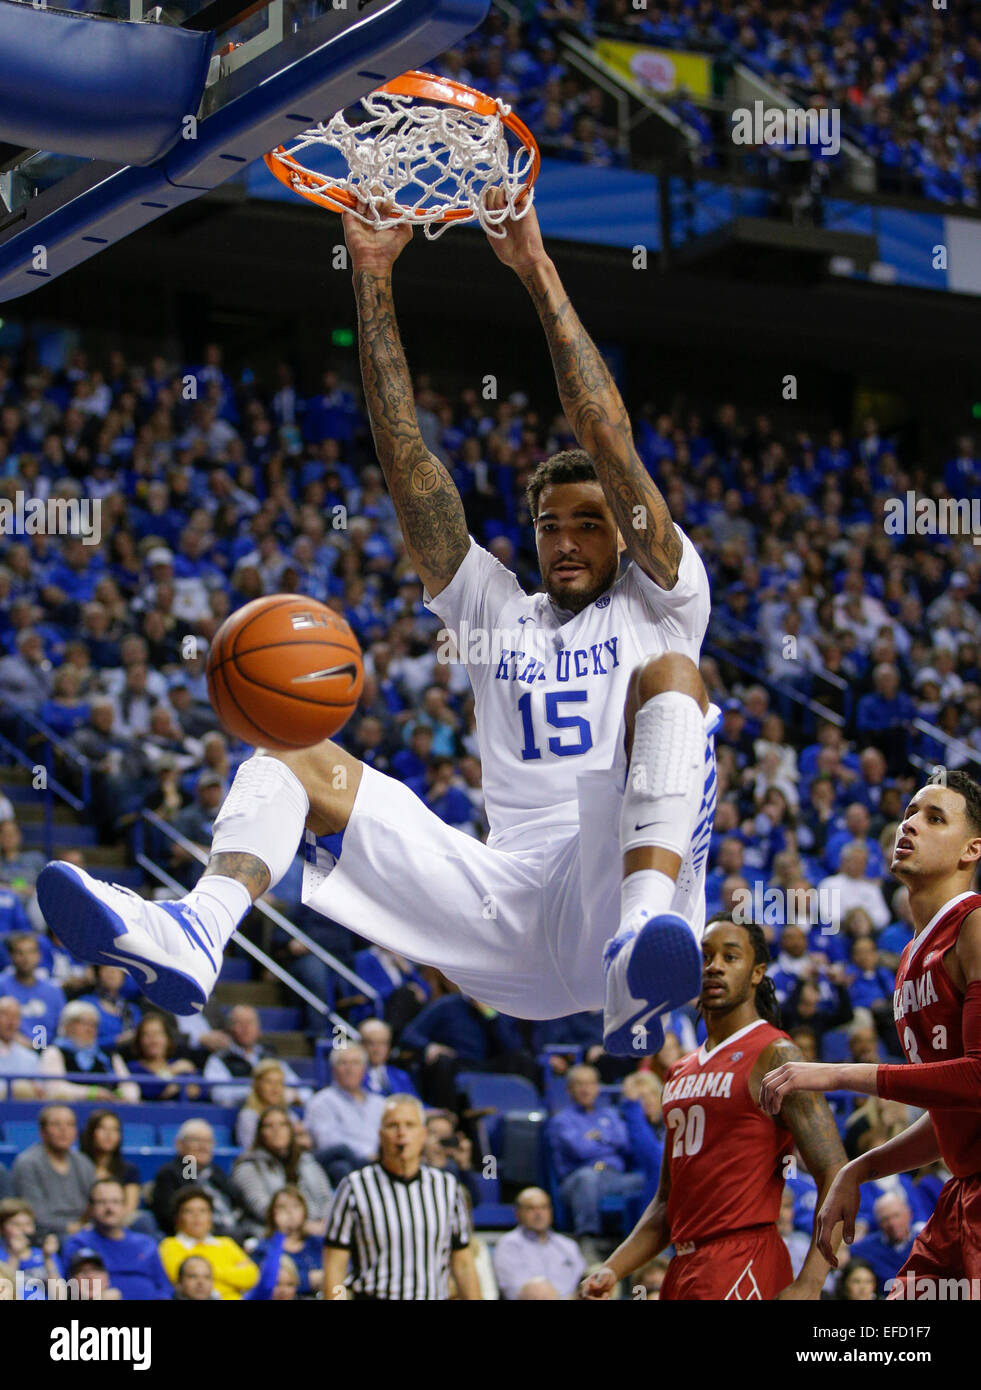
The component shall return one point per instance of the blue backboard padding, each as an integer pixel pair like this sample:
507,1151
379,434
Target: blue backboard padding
101,88
107,204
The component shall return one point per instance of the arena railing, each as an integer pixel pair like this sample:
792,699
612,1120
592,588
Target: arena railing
720,653
44,759
111,1081
272,915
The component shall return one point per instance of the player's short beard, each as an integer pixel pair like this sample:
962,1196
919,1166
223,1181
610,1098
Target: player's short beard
578,599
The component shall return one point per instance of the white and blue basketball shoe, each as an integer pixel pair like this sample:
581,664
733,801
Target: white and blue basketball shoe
648,974
163,945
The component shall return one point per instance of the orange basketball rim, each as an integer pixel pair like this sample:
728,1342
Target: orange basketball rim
425,86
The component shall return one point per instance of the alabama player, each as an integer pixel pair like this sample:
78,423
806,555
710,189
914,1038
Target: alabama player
937,1007
594,726
725,1161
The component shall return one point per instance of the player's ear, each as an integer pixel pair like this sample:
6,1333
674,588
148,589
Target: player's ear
621,543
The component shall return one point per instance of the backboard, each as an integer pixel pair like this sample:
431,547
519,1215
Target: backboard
277,66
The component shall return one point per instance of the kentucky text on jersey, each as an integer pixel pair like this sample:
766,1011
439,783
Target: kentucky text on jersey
518,665
913,996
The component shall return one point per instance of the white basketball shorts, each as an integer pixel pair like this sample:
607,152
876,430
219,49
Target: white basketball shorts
521,930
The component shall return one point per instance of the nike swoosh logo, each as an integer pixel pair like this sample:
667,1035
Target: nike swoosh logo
646,826
149,974
348,668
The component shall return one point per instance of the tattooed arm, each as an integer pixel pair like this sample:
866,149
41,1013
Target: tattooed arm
593,407
427,503
816,1136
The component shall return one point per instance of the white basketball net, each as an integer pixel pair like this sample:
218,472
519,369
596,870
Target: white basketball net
412,163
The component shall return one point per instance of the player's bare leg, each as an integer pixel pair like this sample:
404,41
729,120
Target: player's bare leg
174,949
653,963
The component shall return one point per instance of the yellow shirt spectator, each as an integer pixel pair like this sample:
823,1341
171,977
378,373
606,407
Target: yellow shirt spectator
234,1273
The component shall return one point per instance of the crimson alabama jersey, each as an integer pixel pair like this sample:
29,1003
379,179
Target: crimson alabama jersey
725,1156
927,1009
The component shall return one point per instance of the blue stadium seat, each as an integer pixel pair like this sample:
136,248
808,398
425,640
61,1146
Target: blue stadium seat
489,1216
21,1133
834,1047
280,1020
235,970
127,876
139,1136
520,1148
501,1092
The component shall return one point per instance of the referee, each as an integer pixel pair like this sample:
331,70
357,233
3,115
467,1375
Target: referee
397,1228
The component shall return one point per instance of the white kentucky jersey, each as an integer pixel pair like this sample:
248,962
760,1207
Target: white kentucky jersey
550,686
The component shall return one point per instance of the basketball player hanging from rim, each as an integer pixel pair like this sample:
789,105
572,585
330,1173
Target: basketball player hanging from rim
595,735
725,1160
937,1008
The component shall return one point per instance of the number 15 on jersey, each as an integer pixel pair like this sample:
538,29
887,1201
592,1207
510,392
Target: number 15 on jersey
553,717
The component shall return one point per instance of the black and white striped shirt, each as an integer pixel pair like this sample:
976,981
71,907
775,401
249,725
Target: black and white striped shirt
400,1231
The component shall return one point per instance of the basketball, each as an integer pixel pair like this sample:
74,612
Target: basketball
284,672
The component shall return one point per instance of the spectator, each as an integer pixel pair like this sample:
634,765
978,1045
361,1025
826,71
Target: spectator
533,1250
268,1088
887,1249
449,1149
102,1142
25,677
234,1273
52,1177
344,1117
242,1056
75,1049
289,1215
88,1278
275,1161
401,988
17,1249
852,889
16,1056
196,1281
381,1078
129,1256
641,1111
870,984
41,1002
651,1279
118,1016
884,717
798,1243
857,1282
434,1232
458,1033
821,1006
195,1149
153,1052
590,1147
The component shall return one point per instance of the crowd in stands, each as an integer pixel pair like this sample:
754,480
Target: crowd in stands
214,495
905,78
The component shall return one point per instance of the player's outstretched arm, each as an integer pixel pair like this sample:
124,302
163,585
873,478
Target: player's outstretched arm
953,1084
916,1147
647,1239
593,405
426,500
812,1125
